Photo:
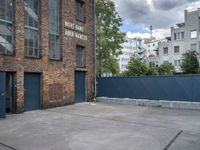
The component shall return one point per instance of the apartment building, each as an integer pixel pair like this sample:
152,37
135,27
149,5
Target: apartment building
132,47
184,36
46,53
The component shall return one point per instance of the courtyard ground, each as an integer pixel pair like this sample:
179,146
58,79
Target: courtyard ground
102,126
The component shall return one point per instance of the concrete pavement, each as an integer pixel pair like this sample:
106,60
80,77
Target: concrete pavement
102,126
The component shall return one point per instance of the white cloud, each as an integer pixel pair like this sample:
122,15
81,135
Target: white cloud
157,33
158,13
161,14
151,5
161,33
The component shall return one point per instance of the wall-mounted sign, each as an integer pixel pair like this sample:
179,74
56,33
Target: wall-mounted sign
75,31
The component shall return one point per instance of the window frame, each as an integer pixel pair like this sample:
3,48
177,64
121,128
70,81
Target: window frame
78,18
54,33
175,49
55,51
37,13
25,46
32,29
179,36
177,62
6,22
165,48
175,36
194,30
83,57
192,44
182,35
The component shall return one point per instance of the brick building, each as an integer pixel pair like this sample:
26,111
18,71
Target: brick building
46,53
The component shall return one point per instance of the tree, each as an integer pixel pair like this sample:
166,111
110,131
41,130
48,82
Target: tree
110,66
152,71
136,67
166,69
190,63
109,37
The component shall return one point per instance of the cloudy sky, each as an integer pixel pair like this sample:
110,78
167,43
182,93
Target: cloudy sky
138,15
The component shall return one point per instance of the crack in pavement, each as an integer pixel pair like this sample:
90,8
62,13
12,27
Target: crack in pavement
173,140
7,147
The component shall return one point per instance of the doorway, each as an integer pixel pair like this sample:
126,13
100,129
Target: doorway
10,93
7,93
31,91
80,87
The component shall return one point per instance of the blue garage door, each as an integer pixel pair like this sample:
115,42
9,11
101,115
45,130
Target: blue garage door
79,87
31,91
2,95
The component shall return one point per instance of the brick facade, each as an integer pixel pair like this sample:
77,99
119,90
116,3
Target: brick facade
57,77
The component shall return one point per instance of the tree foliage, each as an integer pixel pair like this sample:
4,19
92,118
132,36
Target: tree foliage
109,37
190,63
166,69
136,67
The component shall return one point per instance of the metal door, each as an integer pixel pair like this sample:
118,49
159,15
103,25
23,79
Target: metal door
79,87
2,95
31,91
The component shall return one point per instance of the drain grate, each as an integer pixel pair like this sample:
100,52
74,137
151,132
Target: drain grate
6,147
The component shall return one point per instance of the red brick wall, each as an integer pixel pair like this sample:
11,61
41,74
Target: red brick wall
56,75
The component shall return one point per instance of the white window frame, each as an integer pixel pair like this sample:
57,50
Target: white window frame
193,34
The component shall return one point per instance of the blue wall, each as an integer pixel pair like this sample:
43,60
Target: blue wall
179,87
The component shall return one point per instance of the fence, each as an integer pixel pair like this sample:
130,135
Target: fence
173,88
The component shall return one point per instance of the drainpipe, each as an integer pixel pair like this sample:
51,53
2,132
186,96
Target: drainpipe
94,46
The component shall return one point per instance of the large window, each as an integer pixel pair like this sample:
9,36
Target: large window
165,50
54,48
194,46
80,10
176,49
182,35
193,34
177,63
153,64
80,56
31,43
6,27
179,36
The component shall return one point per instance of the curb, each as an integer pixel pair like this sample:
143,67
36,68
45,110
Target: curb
154,103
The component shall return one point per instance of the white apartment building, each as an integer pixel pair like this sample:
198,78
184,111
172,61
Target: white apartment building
152,46
184,36
132,47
